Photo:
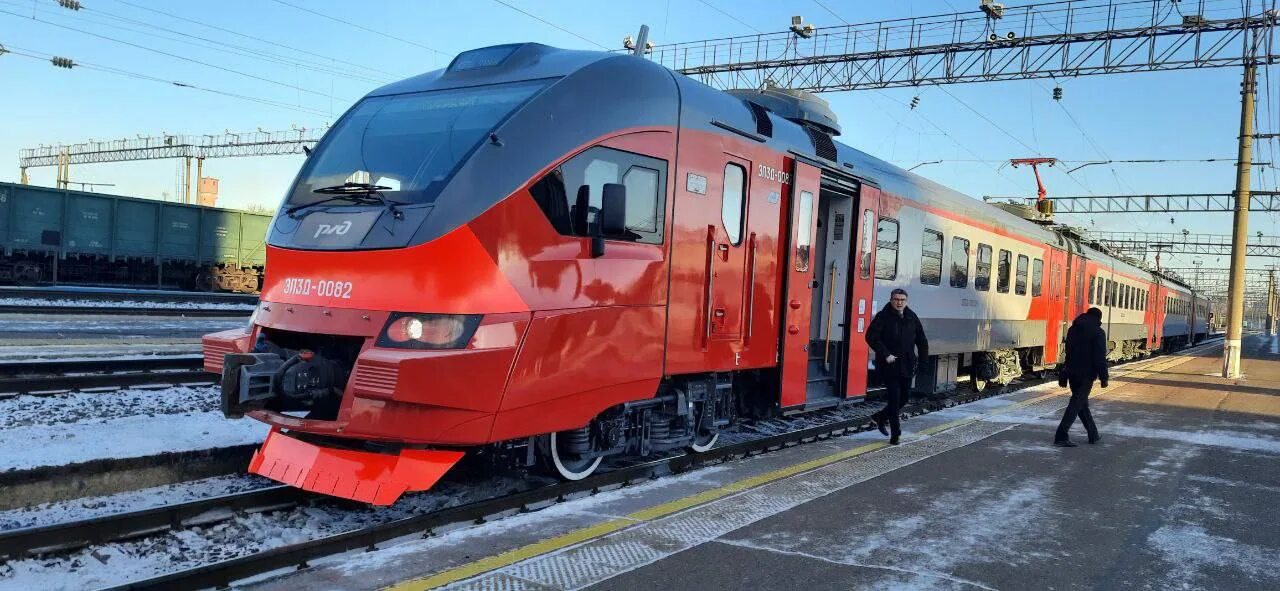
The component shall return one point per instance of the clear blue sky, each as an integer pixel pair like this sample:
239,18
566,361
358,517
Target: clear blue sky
1180,115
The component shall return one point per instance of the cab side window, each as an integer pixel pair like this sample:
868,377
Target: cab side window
570,194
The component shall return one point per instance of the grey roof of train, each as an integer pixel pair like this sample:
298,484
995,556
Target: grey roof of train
540,61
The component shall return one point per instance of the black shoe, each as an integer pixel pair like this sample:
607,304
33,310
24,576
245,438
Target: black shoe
1095,439
893,440
1067,443
880,426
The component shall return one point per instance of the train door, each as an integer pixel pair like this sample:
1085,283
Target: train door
1055,324
799,269
861,308
1073,260
727,250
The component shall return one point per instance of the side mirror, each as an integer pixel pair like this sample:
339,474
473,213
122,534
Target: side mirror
612,218
613,210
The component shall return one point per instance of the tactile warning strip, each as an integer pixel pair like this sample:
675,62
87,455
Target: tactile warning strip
598,560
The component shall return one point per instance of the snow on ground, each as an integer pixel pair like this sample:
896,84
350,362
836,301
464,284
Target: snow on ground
998,522
92,303
116,563
59,409
159,496
34,446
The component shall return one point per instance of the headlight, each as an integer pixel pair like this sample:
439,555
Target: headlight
428,331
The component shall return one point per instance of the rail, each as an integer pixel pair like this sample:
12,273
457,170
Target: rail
55,376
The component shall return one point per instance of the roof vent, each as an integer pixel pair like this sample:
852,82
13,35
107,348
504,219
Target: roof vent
799,106
822,144
764,125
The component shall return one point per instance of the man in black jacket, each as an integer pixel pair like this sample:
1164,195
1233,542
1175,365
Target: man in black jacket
897,337
1086,360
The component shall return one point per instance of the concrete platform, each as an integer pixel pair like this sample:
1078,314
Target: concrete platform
1179,495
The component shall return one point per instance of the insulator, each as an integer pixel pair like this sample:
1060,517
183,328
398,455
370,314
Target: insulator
1057,93
62,62
915,101
70,4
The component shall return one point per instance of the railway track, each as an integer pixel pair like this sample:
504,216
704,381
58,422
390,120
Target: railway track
747,440
117,294
123,311
62,537
61,375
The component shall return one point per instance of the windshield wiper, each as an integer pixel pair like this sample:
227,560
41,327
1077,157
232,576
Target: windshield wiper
353,198
350,189
358,193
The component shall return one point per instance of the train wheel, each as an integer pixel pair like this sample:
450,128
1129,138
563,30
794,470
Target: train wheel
564,463
205,282
704,442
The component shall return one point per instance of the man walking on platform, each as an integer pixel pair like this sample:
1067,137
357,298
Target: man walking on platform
1086,360
897,337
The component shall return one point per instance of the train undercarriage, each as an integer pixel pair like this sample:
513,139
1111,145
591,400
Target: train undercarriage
41,268
292,373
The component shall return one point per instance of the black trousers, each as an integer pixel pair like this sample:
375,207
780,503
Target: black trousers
1079,406
897,393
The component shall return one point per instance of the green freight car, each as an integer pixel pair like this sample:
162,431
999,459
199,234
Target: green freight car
62,236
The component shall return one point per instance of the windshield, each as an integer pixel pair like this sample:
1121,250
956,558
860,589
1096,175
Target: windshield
411,143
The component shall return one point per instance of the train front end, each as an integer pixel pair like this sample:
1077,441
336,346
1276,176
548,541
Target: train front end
389,319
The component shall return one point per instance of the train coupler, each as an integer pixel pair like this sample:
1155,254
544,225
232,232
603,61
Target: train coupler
247,380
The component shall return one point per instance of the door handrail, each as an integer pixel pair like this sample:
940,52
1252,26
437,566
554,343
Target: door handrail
751,284
711,273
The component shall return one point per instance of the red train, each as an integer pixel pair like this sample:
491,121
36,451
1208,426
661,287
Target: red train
568,255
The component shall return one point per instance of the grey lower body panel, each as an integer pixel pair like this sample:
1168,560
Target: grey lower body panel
964,335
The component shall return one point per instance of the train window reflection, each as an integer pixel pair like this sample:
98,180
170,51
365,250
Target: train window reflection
1003,269
642,206
982,275
959,262
735,201
931,257
1020,279
804,230
868,228
887,249
1037,276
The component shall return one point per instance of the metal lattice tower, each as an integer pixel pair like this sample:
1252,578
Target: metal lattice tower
223,145
1057,39
1188,243
199,147
1156,203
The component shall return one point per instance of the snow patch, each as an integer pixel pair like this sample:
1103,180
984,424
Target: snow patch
982,524
37,303
25,411
34,446
1194,555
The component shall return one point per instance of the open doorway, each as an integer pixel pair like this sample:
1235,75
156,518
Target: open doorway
828,329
